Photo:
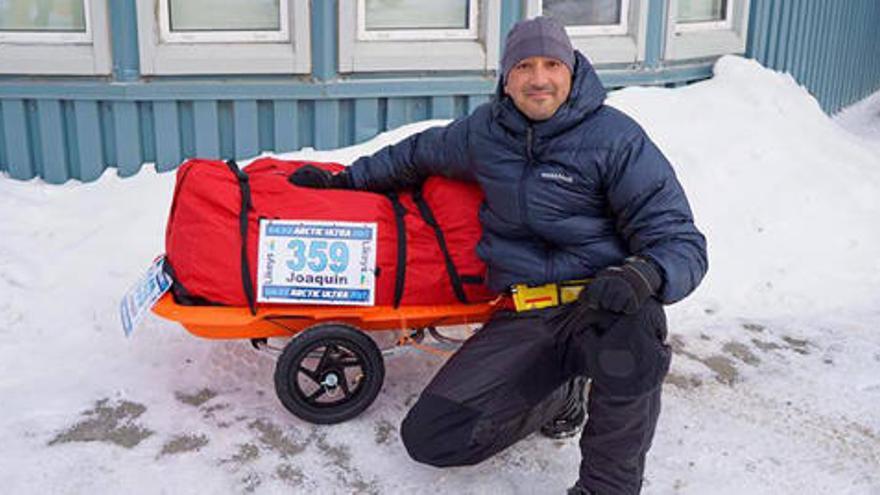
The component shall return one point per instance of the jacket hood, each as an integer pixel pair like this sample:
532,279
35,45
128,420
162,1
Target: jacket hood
587,94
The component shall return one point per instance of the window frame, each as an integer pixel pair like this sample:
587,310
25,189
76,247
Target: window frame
478,53
471,33
705,40
166,35
624,42
223,52
61,53
727,23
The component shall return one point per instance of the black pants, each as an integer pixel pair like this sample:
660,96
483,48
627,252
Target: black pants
512,375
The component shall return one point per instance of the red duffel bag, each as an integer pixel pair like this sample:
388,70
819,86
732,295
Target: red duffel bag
426,238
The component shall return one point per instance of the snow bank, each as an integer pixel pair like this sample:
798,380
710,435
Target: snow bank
787,199
863,119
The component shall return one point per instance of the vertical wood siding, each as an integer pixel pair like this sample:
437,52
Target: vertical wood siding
831,47
59,140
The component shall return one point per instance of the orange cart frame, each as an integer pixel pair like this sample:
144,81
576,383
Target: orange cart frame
330,371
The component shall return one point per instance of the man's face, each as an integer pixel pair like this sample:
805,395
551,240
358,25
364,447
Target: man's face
538,86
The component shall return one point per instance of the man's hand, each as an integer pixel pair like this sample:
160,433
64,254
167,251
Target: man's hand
616,289
318,178
622,289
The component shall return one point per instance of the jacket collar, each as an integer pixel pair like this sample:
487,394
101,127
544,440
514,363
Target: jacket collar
587,95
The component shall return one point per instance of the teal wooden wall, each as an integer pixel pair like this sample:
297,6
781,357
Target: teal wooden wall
61,139
75,128
831,47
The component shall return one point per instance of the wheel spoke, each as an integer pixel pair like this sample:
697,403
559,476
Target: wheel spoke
343,384
309,373
322,364
314,396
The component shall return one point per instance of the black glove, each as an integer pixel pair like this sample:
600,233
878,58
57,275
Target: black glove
616,289
622,289
318,178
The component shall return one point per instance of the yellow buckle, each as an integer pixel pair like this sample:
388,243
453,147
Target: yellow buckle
526,298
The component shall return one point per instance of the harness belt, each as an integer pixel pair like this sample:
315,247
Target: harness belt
527,298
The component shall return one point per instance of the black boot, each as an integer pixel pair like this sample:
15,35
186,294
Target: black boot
570,420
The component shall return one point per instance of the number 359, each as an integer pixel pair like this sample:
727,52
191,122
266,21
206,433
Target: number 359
318,255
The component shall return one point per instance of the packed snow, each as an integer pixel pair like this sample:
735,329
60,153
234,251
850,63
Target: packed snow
774,387
863,119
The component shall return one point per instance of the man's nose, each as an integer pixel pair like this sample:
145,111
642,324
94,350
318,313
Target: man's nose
540,76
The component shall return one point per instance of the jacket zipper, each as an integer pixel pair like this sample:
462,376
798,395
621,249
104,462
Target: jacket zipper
522,177
530,162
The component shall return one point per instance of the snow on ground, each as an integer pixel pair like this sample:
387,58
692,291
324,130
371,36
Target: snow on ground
774,386
863,118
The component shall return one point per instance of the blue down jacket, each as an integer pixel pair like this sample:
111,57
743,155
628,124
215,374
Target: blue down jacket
565,197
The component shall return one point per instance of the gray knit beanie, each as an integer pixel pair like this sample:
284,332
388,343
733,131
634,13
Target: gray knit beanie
541,36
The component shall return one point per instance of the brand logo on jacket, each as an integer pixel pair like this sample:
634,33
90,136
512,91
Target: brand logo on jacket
557,176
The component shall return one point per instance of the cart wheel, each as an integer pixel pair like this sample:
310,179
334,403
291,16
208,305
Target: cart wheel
329,373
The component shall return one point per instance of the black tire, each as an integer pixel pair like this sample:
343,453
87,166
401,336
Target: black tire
344,380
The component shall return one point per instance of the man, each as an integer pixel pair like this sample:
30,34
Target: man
574,189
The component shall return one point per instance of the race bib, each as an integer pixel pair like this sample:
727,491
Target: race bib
316,262
143,295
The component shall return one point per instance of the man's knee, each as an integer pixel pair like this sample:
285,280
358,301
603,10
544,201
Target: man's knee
630,357
440,432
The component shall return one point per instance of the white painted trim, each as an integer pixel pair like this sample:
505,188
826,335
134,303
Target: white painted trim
608,30
684,44
726,23
612,44
45,38
158,57
49,53
386,55
702,26
166,35
471,33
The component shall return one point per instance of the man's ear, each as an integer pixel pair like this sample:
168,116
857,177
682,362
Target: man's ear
506,91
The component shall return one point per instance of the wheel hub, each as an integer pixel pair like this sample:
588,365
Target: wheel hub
331,380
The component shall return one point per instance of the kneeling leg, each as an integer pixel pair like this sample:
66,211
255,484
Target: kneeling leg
503,384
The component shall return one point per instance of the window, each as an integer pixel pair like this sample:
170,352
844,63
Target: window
224,36
53,21
693,15
415,35
54,37
585,18
606,31
212,21
706,28
417,20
